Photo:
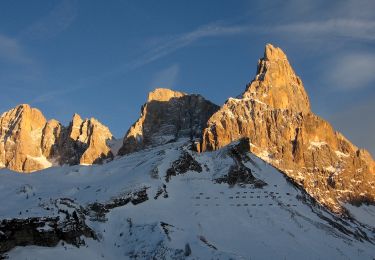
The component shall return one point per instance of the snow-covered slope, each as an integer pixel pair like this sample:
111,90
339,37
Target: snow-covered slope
170,202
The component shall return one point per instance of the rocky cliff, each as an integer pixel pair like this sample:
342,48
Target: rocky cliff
28,142
274,113
21,131
168,115
84,142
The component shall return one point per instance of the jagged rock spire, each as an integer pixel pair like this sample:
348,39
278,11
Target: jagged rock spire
274,114
87,141
276,83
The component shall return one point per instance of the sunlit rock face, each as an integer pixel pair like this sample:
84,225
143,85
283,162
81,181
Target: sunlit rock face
28,142
96,137
274,113
20,138
166,116
84,142
276,83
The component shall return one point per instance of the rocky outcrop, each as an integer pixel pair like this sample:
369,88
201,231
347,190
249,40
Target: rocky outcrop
68,227
84,142
96,137
50,137
166,116
20,139
274,113
28,142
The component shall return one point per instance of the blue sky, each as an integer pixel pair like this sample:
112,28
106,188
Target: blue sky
101,58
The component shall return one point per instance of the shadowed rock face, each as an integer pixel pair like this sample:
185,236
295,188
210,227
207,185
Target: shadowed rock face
168,115
274,113
29,143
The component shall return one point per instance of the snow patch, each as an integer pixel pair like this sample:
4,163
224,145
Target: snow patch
341,154
235,99
42,160
316,145
258,101
266,156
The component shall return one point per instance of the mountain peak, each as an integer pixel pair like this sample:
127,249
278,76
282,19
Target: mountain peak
24,111
276,83
272,53
275,115
20,134
23,106
174,114
164,94
91,136
76,117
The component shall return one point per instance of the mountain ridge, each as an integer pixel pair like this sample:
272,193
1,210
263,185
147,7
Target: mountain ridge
273,112
29,142
259,177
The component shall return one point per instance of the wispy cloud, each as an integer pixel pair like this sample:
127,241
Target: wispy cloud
55,22
349,28
309,10
49,96
173,43
352,71
352,28
346,68
11,51
168,45
166,78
